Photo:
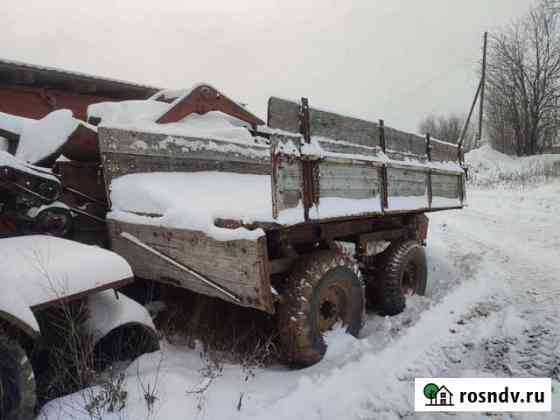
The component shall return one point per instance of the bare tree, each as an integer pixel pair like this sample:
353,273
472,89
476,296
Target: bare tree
523,84
443,127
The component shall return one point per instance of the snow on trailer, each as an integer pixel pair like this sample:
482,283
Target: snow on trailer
204,203
42,141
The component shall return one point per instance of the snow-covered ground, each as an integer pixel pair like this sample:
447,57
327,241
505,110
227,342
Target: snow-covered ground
492,309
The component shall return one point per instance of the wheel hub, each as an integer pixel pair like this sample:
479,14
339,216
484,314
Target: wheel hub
332,307
409,281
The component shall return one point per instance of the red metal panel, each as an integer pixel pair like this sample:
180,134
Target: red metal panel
203,99
33,102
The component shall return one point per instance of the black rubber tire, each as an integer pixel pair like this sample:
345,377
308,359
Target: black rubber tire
17,382
385,284
41,224
299,313
126,342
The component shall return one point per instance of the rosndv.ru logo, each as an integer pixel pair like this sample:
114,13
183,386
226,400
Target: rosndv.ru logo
439,396
483,394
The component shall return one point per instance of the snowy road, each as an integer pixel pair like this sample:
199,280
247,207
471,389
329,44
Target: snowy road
492,310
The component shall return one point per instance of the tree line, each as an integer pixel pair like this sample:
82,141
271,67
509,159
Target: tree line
522,102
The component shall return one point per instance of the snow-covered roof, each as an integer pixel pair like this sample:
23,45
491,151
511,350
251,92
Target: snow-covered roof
104,84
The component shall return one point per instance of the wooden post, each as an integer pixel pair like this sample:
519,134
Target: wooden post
464,131
382,135
482,85
428,146
307,165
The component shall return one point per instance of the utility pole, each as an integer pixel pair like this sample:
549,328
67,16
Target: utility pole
482,86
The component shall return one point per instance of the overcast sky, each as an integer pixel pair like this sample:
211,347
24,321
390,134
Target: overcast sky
393,59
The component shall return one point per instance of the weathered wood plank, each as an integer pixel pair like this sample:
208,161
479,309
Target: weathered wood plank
126,152
446,190
401,144
238,266
407,188
288,186
348,181
443,152
344,149
284,114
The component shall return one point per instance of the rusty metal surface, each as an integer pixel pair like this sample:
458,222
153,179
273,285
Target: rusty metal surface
203,99
382,142
83,145
114,285
36,102
308,166
84,177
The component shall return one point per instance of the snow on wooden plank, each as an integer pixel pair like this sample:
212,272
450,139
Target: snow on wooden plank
125,152
399,145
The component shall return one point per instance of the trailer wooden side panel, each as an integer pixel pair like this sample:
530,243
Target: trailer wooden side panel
446,190
284,115
443,152
401,145
125,152
240,266
407,189
346,180
287,185
398,145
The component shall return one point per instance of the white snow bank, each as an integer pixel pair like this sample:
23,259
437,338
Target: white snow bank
46,268
490,167
40,139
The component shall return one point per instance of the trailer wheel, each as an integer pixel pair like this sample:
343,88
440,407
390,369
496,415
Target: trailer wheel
325,289
124,343
400,272
17,382
54,221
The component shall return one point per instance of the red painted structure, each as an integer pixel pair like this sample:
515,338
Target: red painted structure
33,91
203,99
